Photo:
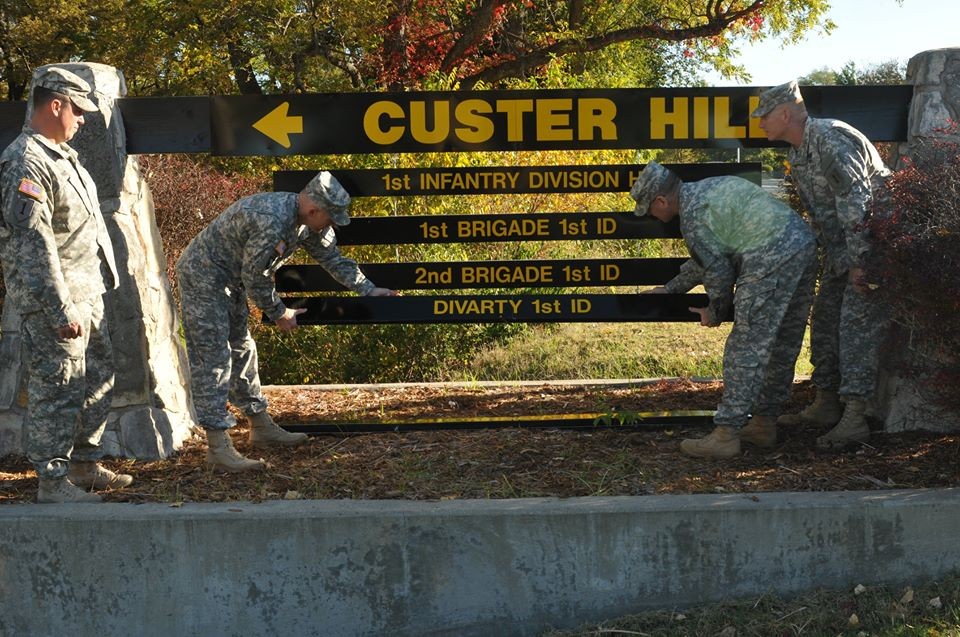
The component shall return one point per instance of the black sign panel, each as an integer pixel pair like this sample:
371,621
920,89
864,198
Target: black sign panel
479,228
560,308
459,275
488,180
637,420
336,123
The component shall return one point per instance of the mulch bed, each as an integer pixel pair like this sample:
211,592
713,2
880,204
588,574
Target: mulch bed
515,462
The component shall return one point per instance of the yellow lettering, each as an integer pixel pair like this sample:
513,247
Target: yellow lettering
514,110
701,117
472,121
677,118
596,113
502,228
441,122
755,130
502,274
476,128
721,121
372,122
553,120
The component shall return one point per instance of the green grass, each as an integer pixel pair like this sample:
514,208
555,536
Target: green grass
928,610
606,350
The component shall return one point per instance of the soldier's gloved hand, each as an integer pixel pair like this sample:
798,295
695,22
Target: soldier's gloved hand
289,319
70,331
383,292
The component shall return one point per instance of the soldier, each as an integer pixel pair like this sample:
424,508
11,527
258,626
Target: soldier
58,262
235,256
756,255
837,171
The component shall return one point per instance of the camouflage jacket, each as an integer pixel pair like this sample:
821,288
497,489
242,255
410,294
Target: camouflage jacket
837,171
738,236
53,240
245,245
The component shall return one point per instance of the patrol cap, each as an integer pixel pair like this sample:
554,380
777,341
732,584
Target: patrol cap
325,190
771,98
66,83
647,186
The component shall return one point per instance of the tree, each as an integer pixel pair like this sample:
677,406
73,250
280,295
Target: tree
889,72
251,46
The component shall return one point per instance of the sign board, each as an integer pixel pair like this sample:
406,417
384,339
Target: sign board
490,180
479,228
555,308
489,274
562,119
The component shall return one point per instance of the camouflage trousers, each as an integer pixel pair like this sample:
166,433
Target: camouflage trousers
222,354
69,390
759,357
846,329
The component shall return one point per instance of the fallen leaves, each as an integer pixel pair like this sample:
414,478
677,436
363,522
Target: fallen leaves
513,462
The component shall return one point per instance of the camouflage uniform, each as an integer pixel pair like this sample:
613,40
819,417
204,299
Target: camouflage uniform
837,171
754,253
235,256
58,262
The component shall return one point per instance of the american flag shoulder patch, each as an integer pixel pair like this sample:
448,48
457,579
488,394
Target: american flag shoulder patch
32,189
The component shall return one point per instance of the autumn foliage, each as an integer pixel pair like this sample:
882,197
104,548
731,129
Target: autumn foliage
916,262
187,195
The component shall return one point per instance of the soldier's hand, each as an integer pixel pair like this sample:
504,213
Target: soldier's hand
856,278
660,289
70,331
704,316
383,292
289,319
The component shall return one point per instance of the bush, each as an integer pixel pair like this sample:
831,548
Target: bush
915,265
187,195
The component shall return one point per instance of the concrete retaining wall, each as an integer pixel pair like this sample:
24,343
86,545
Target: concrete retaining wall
505,567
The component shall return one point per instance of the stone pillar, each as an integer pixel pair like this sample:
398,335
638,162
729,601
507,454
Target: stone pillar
152,410
934,112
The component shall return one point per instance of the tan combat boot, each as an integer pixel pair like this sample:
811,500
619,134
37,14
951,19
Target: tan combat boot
61,491
722,442
760,431
851,428
92,475
222,456
264,432
825,409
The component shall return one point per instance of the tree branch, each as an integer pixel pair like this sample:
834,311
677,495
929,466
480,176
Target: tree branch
243,73
717,22
478,25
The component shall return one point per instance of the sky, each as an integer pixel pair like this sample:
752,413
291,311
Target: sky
868,32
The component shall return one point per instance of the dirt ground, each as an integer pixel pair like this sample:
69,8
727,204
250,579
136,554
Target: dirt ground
517,462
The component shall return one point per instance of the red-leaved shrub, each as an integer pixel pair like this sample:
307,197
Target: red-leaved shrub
187,195
915,265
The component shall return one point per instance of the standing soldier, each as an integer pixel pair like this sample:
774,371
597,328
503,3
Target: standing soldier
756,255
837,171
58,262
235,256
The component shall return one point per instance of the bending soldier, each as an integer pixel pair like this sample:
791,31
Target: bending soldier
236,256
752,253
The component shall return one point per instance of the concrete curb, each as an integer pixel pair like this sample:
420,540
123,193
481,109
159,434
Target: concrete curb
491,567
